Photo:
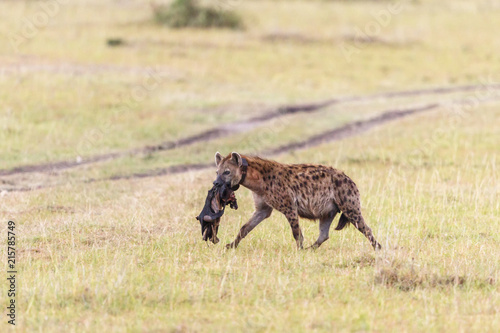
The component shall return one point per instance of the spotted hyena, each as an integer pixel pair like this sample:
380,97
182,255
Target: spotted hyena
296,190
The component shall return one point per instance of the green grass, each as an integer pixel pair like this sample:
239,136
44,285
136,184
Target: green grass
189,13
127,255
229,71
119,255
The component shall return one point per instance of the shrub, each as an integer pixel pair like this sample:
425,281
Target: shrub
188,13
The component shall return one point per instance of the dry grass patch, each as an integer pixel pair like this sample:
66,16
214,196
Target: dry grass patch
408,275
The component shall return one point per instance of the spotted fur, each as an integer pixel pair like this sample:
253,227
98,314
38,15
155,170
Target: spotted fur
309,191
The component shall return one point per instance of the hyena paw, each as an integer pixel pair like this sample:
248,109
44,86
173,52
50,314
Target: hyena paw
230,246
312,247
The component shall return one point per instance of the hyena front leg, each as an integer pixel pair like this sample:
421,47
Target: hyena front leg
293,218
355,217
262,212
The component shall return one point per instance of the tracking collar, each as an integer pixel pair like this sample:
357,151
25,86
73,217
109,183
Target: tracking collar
244,169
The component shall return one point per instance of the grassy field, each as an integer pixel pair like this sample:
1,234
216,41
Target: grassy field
127,255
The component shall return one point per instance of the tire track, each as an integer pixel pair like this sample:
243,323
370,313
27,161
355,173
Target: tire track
348,130
351,129
336,134
240,127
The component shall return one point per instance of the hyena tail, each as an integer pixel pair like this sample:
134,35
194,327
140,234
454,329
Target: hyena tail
342,222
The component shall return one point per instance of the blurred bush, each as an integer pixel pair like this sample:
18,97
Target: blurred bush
188,13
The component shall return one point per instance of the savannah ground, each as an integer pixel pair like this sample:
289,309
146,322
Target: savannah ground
102,249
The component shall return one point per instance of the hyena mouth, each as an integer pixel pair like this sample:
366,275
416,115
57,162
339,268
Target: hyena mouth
218,197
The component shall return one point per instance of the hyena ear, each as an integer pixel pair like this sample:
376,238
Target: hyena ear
218,158
237,158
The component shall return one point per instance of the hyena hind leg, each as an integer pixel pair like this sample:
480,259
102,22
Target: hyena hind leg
359,222
324,230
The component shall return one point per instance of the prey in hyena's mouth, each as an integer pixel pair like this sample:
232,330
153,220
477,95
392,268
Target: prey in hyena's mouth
315,192
218,197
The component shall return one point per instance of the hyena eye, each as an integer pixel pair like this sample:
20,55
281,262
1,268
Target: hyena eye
227,172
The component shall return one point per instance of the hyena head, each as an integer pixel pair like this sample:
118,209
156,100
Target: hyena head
228,169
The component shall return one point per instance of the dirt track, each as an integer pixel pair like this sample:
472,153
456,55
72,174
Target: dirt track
351,129
348,130
245,125
340,133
